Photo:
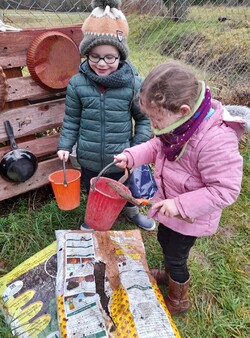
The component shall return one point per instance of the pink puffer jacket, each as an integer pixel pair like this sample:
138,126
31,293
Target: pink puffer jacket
206,179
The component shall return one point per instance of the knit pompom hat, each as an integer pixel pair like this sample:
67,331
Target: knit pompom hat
106,25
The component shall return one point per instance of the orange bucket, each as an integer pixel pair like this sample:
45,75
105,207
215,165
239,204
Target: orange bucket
104,204
67,195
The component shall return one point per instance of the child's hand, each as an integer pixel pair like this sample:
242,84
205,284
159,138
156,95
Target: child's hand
167,207
62,153
122,160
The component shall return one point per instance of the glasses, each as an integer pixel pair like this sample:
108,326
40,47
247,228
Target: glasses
109,59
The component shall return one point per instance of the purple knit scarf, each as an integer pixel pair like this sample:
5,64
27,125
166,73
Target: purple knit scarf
175,141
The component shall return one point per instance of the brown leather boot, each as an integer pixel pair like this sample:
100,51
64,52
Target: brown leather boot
161,276
177,297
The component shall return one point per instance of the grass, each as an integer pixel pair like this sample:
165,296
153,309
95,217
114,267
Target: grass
219,265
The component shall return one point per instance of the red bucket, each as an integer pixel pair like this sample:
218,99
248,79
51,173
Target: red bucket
104,204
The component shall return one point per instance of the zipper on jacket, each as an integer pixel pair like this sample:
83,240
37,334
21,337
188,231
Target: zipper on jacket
103,136
102,127
102,120
102,99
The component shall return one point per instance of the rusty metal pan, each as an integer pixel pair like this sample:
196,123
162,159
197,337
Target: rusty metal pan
52,59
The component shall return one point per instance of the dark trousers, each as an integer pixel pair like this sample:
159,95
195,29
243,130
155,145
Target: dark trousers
86,176
176,248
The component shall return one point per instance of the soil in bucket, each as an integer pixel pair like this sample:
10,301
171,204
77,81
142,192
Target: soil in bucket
67,196
104,204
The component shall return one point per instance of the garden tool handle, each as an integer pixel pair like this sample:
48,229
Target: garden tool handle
150,203
140,201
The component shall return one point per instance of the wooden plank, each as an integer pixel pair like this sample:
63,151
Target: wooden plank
33,119
14,45
26,88
40,147
30,108
39,179
10,73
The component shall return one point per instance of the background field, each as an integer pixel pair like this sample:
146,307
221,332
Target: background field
212,37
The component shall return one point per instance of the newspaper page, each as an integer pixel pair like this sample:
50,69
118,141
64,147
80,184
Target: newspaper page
104,287
28,299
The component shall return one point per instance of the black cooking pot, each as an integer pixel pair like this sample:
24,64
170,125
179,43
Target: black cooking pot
18,165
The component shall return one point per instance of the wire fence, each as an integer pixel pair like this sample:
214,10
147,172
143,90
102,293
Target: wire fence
212,36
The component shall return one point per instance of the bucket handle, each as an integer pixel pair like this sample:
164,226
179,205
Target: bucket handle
65,183
124,177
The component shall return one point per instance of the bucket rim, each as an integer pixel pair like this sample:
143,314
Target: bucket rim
103,193
61,171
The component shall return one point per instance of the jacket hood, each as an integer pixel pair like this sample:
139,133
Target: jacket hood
238,118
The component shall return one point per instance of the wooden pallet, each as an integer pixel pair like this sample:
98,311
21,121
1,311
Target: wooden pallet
33,111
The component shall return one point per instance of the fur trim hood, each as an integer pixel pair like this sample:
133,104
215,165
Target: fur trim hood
238,118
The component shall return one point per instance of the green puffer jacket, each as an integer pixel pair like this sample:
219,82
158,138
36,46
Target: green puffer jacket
102,123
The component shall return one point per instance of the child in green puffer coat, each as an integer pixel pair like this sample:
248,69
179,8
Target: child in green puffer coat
102,115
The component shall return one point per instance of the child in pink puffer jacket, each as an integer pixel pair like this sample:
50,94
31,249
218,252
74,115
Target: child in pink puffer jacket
198,167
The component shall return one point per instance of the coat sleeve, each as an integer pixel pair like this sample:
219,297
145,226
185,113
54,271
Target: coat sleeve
72,117
142,128
221,166
144,153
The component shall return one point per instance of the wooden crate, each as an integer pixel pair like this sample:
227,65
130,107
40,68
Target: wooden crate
31,109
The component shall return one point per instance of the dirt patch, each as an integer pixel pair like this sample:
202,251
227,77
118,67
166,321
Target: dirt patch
200,258
246,268
227,231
